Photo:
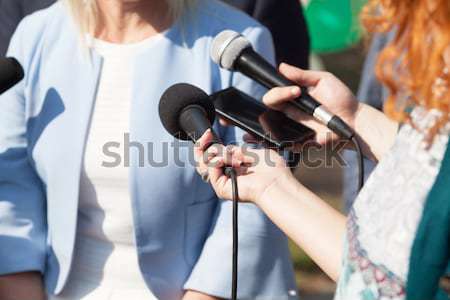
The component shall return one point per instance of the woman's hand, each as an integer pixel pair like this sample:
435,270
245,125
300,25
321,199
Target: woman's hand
374,129
257,170
264,179
324,87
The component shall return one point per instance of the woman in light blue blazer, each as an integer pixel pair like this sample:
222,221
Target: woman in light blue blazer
94,68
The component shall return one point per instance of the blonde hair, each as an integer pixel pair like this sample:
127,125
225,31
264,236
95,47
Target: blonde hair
86,14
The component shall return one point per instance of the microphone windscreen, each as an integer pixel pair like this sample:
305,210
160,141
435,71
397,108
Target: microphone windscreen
11,72
226,48
178,97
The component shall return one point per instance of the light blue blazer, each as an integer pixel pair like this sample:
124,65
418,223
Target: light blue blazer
183,231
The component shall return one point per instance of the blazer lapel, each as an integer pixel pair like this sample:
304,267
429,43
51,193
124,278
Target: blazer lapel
66,143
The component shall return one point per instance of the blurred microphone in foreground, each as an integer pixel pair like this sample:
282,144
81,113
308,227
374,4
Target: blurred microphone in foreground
11,72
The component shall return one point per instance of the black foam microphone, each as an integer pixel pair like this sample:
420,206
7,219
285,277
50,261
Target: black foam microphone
186,112
11,72
231,51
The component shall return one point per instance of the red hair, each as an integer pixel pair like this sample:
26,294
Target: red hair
415,65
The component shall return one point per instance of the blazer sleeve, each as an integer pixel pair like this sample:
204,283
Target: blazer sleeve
22,198
264,259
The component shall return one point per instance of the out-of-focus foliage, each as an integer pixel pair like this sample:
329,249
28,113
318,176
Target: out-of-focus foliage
334,24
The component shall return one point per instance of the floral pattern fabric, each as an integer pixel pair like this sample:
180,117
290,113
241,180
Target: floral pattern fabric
383,221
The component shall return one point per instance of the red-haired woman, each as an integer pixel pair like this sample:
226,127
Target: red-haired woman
396,236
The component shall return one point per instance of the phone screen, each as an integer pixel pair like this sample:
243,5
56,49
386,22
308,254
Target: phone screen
264,123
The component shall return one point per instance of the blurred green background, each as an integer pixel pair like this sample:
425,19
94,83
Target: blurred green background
333,24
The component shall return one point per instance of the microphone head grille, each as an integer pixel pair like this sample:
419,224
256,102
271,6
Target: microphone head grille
175,99
226,48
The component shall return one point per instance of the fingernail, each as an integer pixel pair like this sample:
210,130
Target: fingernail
295,91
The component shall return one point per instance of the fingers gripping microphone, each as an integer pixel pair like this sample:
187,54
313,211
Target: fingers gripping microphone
231,51
11,73
186,112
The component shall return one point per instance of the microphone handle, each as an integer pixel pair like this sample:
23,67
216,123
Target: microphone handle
194,121
253,65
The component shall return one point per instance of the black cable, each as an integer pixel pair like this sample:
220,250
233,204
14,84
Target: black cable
342,129
360,162
294,160
230,172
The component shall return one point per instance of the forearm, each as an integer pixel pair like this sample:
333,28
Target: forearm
22,286
311,223
376,131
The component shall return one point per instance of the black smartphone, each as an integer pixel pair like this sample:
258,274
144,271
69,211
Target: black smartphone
268,125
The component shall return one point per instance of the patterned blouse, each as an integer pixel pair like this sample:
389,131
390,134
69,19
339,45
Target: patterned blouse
382,224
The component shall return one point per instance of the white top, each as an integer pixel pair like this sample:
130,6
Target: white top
105,264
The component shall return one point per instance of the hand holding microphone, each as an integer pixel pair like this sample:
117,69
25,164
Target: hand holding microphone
257,170
322,86
375,131
187,113
231,51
